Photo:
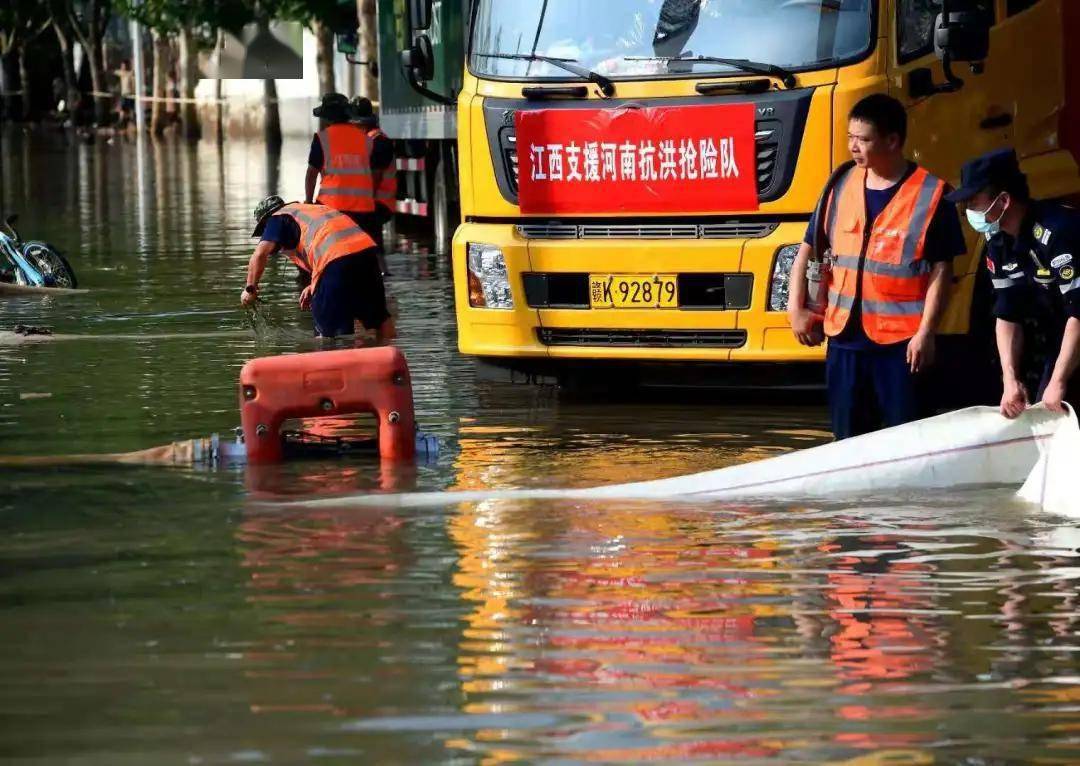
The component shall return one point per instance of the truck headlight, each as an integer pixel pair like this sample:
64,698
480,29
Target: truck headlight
489,282
781,277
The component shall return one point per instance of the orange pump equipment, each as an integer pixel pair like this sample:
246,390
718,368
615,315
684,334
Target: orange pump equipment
365,380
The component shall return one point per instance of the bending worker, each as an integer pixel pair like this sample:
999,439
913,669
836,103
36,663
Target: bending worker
892,241
339,257
351,163
1031,254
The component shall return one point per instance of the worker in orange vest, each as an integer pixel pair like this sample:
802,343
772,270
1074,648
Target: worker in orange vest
340,259
891,238
349,165
383,162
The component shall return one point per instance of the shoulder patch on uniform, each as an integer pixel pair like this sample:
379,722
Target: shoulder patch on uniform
990,264
1039,231
1067,273
1062,260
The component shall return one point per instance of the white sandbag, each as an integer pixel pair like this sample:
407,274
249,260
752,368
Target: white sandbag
971,447
1050,485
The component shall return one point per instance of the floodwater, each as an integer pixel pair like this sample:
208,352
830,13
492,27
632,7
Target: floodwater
182,615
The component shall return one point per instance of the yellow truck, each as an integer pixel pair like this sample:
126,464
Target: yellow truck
570,280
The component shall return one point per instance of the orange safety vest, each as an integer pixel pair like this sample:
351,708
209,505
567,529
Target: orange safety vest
325,236
895,276
386,180
347,182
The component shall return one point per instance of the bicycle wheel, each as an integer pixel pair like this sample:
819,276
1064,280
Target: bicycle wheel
52,265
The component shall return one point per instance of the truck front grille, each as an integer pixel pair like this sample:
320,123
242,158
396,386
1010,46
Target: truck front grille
558,336
723,230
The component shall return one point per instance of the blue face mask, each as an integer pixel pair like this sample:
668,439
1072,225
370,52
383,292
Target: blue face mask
977,219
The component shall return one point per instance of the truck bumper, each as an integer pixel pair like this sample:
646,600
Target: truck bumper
748,334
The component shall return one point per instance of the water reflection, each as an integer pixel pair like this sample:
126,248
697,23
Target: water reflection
213,628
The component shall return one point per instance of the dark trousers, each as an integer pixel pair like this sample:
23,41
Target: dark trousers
870,389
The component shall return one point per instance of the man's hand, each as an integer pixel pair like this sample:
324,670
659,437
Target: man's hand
920,351
1054,396
1014,400
807,326
305,297
248,299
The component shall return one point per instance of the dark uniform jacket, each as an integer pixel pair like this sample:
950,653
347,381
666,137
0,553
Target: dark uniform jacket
1036,275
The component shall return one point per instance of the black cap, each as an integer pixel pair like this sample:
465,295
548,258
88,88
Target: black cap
999,169
334,108
264,210
362,109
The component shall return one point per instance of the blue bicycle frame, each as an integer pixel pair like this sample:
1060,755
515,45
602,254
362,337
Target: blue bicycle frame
11,249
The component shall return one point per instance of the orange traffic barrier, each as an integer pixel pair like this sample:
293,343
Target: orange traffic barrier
373,380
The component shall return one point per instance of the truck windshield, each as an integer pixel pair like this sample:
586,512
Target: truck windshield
664,38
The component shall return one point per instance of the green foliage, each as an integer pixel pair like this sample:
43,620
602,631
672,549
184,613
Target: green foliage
172,15
231,15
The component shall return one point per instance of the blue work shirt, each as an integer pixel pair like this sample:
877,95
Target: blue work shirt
283,231
944,241
1036,275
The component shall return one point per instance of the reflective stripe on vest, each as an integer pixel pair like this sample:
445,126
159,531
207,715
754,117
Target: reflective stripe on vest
325,236
347,183
386,183
895,275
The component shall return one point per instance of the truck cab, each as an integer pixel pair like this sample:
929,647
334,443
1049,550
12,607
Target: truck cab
531,267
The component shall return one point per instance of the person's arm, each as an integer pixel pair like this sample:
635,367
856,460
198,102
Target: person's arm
1068,358
309,184
1010,344
921,348
804,322
256,267
1065,241
316,160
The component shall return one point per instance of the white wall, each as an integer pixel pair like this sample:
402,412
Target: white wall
243,98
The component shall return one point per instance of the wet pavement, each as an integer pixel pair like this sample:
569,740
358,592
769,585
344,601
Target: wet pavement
173,615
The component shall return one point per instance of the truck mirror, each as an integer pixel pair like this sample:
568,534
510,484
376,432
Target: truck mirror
348,43
420,15
419,60
965,36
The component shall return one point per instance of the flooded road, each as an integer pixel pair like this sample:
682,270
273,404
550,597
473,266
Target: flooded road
166,615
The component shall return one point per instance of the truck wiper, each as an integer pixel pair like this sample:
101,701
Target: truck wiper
607,87
745,65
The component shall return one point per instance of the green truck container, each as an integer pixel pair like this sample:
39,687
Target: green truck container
424,130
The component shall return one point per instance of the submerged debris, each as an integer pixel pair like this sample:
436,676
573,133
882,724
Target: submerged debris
26,329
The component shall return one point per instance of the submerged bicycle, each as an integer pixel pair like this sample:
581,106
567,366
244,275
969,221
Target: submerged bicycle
33,263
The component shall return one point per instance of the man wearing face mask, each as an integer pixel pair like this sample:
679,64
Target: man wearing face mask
1032,255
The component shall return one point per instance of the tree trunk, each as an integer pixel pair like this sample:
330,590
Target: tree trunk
96,63
71,80
219,92
24,83
161,72
189,117
324,57
272,124
369,48
5,114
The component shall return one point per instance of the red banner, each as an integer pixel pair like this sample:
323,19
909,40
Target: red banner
681,159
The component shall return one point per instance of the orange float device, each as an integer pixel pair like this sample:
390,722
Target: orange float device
279,388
